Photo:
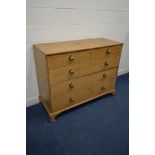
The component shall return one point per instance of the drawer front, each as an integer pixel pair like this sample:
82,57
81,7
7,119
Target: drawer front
104,65
101,54
64,60
74,91
67,73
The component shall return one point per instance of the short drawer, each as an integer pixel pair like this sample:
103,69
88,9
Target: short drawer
101,54
67,73
74,91
105,64
64,60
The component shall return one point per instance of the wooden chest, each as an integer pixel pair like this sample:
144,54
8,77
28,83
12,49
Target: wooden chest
71,73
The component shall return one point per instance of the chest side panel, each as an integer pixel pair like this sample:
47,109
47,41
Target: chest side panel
42,77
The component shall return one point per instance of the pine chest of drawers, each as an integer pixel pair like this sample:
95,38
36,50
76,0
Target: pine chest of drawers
71,73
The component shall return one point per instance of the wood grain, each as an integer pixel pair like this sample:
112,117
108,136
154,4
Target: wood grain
42,76
63,74
63,60
100,54
70,46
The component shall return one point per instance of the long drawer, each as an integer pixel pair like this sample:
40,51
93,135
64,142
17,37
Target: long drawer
70,72
74,91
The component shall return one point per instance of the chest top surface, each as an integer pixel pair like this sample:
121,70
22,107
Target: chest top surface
77,45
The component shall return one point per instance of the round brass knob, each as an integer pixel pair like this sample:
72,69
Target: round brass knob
104,75
102,88
106,63
108,51
71,100
71,85
71,58
71,71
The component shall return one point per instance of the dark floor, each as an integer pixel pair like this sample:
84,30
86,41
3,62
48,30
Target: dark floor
97,128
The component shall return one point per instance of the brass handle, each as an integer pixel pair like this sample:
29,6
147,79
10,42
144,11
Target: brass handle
71,71
71,85
71,100
104,75
106,63
71,58
102,88
108,51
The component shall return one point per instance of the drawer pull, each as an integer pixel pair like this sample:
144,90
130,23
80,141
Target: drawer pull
71,58
71,100
71,85
108,52
71,71
102,88
104,75
106,63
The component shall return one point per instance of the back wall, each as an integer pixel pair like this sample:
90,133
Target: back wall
59,20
